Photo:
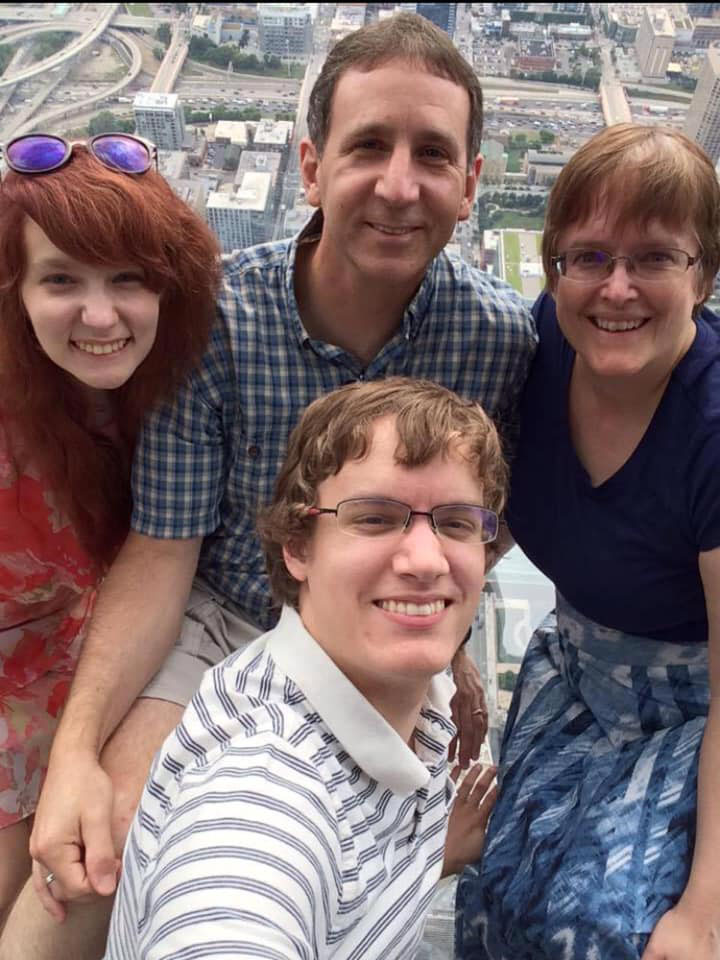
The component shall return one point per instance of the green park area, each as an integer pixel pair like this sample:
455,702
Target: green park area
511,257
138,9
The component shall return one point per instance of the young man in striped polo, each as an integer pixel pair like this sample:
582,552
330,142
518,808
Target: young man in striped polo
299,810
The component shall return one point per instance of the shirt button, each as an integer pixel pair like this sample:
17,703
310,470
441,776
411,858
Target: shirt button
253,451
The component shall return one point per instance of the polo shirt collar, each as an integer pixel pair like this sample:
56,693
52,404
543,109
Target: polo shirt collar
414,312
363,732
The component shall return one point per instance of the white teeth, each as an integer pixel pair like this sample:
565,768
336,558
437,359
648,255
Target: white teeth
394,231
413,609
613,326
100,348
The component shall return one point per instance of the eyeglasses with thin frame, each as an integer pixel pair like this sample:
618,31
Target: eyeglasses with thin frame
589,265
35,153
375,517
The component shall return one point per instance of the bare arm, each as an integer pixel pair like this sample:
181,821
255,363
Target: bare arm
137,618
691,930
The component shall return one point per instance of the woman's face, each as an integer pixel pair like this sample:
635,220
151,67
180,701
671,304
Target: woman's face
98,323
620,325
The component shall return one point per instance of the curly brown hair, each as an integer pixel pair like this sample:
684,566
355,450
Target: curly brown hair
430,421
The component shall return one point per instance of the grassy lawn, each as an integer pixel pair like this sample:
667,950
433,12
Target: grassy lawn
138,9
512,276
509,219
511,245
514,161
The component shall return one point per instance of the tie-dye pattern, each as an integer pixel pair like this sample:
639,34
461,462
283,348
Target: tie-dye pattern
591,839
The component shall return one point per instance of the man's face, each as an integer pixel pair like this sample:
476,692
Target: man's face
390,609
393,178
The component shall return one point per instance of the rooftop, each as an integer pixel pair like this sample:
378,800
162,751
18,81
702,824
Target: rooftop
167,101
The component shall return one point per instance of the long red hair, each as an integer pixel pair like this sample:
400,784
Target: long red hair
98,216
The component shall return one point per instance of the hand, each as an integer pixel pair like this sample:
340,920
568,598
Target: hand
681,934
468,818
469,710
71,836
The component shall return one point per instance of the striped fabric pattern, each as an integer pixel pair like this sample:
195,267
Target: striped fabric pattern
285,819
591,839
205,465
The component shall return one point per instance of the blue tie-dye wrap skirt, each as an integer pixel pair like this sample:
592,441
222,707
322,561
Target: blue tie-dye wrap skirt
591,840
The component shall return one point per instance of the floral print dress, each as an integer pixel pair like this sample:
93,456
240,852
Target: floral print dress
47,592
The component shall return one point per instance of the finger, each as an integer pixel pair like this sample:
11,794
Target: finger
468,782
481,783
452,750
486,807
455,773
101,862
44,893
466,731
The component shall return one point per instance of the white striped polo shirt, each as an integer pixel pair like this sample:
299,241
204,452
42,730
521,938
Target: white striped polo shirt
285,818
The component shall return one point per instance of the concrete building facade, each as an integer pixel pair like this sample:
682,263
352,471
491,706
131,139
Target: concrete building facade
655,41
159,117
285,30
703,117
244,217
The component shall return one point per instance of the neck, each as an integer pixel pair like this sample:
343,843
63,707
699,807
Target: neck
339,306
400,707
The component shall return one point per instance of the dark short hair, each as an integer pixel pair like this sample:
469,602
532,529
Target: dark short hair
407,37
337,427
654,173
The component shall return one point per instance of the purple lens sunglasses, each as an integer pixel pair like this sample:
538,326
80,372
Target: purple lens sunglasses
44,152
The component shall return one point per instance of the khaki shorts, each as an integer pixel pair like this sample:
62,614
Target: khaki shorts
211,631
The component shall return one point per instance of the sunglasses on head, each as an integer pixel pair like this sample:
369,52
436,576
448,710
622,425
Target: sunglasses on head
44,152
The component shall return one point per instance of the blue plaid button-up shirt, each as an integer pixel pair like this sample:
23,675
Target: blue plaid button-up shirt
205,464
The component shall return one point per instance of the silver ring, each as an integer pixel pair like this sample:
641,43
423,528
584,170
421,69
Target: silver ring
479,711
49,878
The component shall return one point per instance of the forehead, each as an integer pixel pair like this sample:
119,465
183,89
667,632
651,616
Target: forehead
398,91
379,474
607,225
37,243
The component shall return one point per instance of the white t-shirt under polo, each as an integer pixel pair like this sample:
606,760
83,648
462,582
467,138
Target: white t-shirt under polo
284,818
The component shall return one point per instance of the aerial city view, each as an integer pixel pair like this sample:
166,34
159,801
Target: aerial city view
300,449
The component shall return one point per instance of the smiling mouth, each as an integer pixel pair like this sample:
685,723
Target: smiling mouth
390,231
101,349
618,326
408,609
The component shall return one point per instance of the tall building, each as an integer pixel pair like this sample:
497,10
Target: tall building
654,42
159,117
443,15
703,117
244,217
285,30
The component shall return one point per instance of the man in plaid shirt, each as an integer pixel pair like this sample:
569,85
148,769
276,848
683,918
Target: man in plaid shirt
365,291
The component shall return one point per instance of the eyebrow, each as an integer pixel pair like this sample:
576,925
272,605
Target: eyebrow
53,263
428,135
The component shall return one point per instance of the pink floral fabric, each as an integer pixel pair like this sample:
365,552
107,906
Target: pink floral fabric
47,592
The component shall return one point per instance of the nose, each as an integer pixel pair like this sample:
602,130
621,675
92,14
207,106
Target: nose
98,309
397,184
420,552
620,284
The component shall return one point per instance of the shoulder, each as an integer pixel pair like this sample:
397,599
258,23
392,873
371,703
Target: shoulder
493,294
698,374
266,264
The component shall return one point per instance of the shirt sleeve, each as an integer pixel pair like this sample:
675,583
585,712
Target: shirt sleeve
179,466
247,865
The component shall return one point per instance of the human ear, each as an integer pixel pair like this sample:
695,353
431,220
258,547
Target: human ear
309,166
295,557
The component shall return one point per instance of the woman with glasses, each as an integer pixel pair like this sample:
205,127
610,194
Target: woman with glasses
299,810
605,842
107,285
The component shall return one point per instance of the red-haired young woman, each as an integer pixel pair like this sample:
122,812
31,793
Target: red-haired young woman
107,284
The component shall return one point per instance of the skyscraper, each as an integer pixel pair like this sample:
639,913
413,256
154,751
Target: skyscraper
285,29
703,117
655,41
159,117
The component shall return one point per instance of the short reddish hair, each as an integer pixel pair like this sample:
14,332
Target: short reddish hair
98,216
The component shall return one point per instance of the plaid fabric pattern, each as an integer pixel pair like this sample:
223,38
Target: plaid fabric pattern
207,463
